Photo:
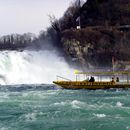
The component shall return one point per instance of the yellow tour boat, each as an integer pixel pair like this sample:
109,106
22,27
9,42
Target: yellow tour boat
98,80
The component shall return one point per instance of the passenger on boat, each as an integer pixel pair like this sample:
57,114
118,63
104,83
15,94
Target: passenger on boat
117,79
92,79
113,79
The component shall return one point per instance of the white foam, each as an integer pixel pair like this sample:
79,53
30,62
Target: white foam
77,104
100,115
30,117
127,127
60,103
74,104
119,104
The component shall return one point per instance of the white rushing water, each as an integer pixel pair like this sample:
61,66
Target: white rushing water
32,67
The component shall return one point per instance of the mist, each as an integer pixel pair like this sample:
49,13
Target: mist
32,67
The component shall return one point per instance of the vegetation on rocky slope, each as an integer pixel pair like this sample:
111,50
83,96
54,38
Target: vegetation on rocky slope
104,33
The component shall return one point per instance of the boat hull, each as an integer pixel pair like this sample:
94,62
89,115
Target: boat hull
90,85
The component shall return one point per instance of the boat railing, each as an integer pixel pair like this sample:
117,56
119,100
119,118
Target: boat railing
123,83
60,77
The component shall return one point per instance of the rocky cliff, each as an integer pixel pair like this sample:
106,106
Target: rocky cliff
104,33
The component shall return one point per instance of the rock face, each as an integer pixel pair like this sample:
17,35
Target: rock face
104,33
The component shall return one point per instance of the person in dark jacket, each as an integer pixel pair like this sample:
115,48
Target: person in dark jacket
92,79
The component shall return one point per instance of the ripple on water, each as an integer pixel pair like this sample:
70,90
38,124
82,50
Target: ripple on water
4,96
65,109
29,117
4,128
74,104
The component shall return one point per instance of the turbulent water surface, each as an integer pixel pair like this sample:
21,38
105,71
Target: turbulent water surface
46,107
31,106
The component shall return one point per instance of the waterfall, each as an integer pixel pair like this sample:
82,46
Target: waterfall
32,67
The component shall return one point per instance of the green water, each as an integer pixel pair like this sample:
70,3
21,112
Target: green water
36,108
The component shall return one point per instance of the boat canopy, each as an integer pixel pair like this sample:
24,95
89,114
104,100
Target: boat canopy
105,73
